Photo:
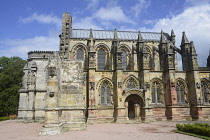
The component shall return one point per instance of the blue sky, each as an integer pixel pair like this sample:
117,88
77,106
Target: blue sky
28,25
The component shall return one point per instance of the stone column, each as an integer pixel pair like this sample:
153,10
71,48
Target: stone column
137,111
91,101
23,105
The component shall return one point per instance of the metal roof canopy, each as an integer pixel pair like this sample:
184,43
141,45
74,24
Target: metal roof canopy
122,35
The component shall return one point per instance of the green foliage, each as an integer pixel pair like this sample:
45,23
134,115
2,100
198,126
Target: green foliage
197,128
11,73
4,118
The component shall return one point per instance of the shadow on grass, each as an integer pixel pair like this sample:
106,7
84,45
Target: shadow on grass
191,134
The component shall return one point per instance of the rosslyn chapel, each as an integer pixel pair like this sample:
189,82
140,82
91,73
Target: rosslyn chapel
101,76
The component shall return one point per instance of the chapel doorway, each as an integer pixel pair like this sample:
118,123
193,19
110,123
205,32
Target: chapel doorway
134,104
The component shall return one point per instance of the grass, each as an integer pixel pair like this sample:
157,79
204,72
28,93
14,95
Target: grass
4,118
191,134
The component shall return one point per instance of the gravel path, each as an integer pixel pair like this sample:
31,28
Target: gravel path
145,131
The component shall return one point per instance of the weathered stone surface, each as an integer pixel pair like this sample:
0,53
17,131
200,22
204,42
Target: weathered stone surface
107,78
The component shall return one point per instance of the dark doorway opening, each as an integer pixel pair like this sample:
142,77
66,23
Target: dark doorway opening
134,103
131,110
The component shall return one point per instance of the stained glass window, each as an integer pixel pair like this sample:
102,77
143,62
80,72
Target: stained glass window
101,59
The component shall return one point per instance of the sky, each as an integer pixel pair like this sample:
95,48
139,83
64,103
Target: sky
28,25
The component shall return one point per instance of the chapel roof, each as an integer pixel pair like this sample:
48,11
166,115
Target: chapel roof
122,35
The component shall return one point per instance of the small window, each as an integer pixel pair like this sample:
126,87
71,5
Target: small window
105,94
156,93
80,54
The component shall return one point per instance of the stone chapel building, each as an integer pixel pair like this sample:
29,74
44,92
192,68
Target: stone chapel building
100,76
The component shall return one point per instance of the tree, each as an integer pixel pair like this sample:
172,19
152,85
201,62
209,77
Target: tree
11,73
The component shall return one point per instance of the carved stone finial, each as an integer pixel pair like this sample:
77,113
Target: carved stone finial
172,33
184,38
91,33
162,38
140,38
115,34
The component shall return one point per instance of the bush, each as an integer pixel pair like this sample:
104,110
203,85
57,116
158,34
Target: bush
4,118
197,128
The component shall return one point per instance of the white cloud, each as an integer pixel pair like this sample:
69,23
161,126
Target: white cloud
140,6
112,14
195,22
196,2
92,4
85,23
42,18
20,47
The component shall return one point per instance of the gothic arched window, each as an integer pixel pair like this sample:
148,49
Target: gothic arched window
131,83
156,93
101,59
205,92
105,94
180,89
80,54
124,59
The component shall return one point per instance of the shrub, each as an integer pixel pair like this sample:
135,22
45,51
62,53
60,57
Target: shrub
4,118
197,128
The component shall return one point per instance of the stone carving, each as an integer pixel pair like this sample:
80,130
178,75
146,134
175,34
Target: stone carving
198,85
52,71
119,84
31,78
147,85
92,85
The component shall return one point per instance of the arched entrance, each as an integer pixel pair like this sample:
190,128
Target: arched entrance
134,103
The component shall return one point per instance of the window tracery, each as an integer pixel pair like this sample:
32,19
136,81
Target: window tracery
205,92
157,95
105,93
180,90
131,83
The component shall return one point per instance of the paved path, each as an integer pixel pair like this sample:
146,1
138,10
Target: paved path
144,131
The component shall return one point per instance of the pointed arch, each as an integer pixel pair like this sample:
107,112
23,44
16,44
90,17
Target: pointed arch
131,82
181,90
104,46
103,53
157,91
126,48
80,51
148,49
105,90
205,88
